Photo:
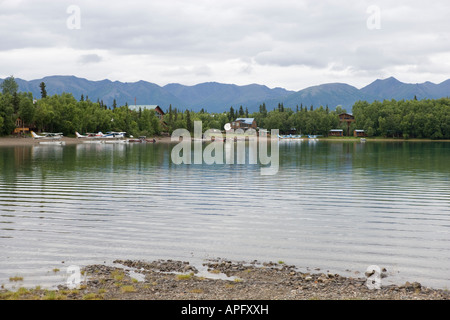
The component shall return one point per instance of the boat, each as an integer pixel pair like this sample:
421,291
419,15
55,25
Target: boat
363,139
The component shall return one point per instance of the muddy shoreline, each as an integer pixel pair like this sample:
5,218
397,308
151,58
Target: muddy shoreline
178,280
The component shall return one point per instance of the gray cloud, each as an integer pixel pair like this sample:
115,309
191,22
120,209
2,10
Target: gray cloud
89,58
175,38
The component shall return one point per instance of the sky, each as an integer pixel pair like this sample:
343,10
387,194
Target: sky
283,43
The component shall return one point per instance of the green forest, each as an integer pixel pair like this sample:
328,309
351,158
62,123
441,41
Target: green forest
67,114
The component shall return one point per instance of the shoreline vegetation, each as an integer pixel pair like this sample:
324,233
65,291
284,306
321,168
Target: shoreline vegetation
410,119
227,280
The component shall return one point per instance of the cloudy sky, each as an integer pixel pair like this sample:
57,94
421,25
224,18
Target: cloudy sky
285,43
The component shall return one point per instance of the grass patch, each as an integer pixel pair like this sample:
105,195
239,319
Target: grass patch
184,276
92,296
196,291
128,289
214,271
53,295
15,279
118,275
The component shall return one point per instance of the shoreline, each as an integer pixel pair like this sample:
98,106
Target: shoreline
28,141
229,280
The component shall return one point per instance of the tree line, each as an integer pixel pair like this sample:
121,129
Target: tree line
64,113
389,118
405,118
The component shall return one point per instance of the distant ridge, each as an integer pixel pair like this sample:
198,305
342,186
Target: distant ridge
219,97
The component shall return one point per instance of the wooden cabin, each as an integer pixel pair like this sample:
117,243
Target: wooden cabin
359,133
244,123
348,118
21,127
336,133
159,113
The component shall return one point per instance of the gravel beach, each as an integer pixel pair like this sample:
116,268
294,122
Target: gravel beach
178,280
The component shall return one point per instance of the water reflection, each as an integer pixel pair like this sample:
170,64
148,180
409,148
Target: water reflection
337,206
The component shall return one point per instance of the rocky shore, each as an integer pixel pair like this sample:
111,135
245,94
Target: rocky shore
178,280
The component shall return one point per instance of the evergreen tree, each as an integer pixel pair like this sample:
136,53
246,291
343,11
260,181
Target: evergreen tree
241,112
43,90
188,121
231,115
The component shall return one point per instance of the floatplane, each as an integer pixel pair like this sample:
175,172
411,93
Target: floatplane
50,138
47,136
290,137
313,137
100,137
89,135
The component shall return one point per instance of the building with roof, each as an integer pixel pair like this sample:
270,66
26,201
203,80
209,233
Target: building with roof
159,113
336,132
244,123
359,133
347,118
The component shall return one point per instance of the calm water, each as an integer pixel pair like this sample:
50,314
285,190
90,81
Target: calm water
335,206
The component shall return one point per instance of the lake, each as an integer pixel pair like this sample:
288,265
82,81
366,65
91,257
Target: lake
334,206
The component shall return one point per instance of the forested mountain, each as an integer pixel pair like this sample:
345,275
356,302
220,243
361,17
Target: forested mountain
219,97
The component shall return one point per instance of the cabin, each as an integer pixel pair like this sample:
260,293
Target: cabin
348,118
22,127
359,133
159,113
244,123
336,133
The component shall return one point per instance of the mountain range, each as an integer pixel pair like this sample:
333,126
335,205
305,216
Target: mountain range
219,97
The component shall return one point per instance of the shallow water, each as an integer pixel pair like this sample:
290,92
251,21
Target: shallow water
337,206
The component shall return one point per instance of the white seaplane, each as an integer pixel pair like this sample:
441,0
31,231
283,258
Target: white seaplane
89,135
114,135
101,135
290,137
47,136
